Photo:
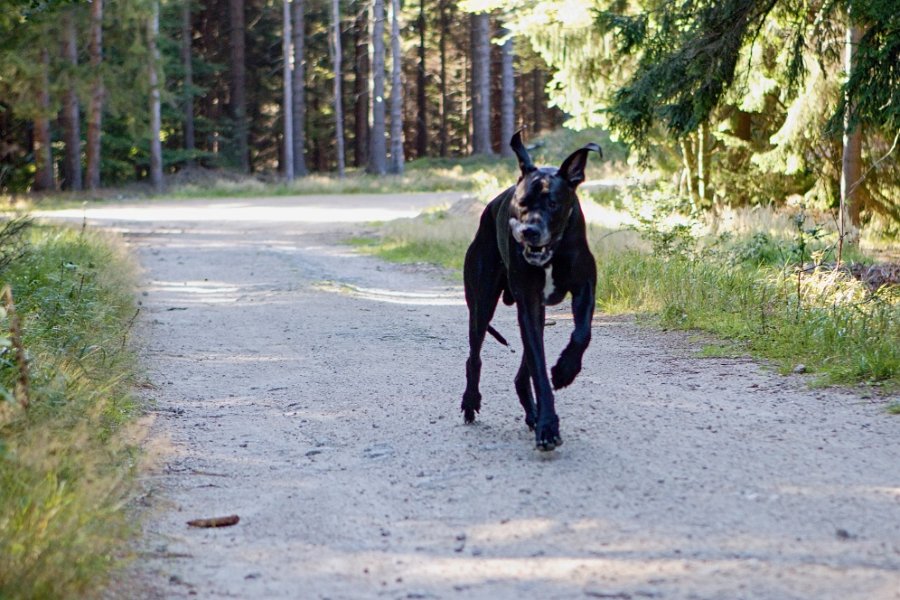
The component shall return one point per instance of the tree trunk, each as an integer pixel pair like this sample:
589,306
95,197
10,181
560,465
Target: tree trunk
703,154
238,91
287,112
537,101
507,98
43,160
421,98
361,90
445,99
187,64
481,84
851,162
338,98
688,176
95,108
69,117
377,150
155,118
397,159
298,81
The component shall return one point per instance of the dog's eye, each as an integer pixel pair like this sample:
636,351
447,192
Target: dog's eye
551,204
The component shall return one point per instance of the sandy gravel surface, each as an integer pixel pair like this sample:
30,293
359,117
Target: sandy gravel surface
315,393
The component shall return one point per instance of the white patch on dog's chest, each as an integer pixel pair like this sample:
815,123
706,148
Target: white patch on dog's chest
548,282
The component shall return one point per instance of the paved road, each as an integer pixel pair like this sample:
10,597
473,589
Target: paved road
314,392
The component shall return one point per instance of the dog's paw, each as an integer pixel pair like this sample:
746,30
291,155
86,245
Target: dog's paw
471,404
547,437
529,420
564,371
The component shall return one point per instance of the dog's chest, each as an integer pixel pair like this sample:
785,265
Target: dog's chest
549,286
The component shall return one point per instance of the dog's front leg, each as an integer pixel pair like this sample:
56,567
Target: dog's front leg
569,363
531,325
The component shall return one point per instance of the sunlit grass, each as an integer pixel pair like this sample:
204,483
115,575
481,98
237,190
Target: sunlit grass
64,464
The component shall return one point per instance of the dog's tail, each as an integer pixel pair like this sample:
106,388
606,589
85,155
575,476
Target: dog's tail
500,338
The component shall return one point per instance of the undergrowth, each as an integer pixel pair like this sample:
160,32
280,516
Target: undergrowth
64,464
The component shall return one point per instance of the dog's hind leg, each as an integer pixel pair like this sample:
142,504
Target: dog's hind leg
480,314
484,282
526,396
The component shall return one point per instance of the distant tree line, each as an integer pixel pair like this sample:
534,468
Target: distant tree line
112,91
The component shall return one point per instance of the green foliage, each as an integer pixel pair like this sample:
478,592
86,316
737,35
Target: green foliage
63,462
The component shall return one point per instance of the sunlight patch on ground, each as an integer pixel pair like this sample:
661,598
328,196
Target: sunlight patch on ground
422,298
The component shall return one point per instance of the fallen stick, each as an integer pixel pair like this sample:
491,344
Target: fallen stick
215,521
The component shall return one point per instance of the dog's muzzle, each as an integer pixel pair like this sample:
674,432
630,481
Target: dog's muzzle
535,242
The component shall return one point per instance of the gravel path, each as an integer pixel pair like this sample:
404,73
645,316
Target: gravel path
315,392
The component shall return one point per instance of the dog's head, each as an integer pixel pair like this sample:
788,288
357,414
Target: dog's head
543,201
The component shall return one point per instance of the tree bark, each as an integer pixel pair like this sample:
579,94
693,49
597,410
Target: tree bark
537,100
481,84
338,98
851,161
397,158
155,118
445,99
507,98
95,107
43,160
377,149
298,81
421,97
187,64
69,116
361,90
703,154
238,91
287,112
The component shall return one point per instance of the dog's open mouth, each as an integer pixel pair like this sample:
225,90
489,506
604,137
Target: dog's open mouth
537,255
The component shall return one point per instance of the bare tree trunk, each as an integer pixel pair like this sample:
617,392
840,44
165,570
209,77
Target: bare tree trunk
507,98
338,99
703,163
377,149
361,90
421,98
481,84
397,159
445,99
155,117
43,160
287,112
69,116
187,64
687,156
298,82
237,43
851,162
95,108
537,101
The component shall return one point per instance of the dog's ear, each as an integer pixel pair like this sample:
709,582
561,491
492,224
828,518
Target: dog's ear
518,147
572,169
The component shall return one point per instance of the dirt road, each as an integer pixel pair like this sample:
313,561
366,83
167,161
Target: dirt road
315,392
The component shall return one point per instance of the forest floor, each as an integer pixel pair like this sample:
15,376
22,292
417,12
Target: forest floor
315,393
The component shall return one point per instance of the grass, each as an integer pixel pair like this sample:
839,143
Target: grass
740,290
64,460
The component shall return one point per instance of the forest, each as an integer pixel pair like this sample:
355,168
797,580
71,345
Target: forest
736,103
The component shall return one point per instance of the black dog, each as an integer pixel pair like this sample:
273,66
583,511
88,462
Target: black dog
531,247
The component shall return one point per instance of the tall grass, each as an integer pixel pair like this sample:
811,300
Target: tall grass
64,464
830,323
